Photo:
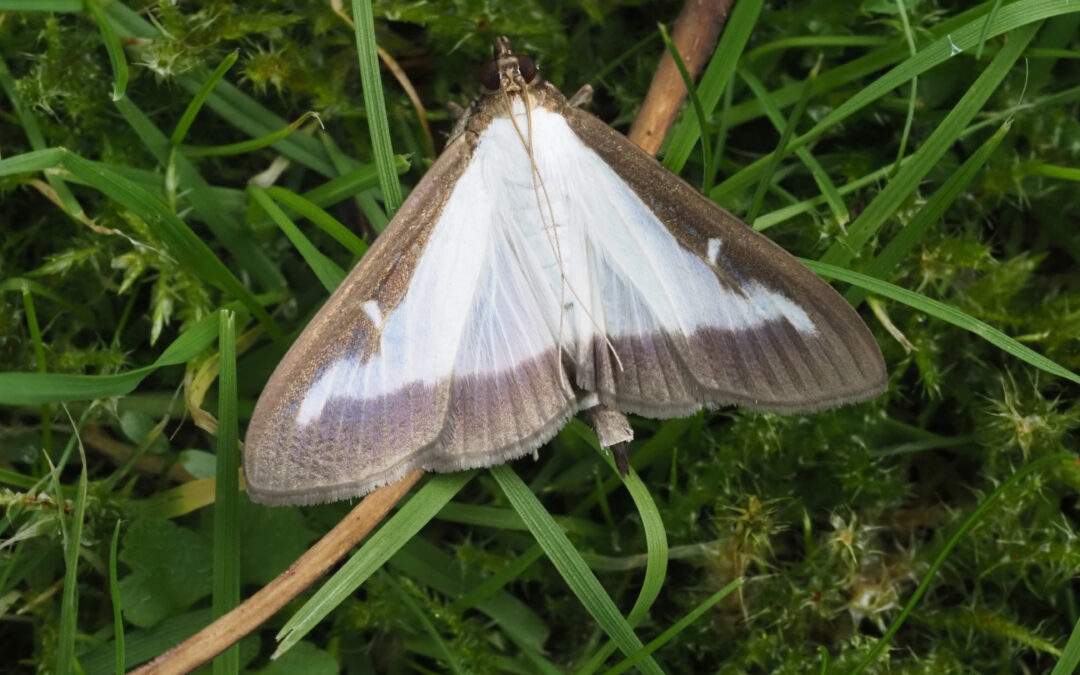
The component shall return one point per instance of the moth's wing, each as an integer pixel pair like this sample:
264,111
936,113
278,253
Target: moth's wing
429,355
713,313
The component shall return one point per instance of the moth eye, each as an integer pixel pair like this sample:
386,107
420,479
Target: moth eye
489,76
527,67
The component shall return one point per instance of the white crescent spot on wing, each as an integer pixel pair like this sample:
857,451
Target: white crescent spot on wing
713,251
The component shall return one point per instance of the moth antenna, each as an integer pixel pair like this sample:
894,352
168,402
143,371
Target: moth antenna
564,283
527,144
540,189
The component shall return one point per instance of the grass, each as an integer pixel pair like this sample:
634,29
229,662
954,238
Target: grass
921,154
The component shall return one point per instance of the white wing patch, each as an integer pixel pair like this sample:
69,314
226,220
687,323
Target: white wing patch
713,251
371,309
508,252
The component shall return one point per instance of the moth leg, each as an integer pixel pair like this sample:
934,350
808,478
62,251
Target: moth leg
614,432
582,98
456,110
621,453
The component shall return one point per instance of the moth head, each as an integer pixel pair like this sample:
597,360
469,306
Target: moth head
507,71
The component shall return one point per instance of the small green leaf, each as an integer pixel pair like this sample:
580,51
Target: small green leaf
171,570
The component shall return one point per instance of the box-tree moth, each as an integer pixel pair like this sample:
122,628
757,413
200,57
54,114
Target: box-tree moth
544,265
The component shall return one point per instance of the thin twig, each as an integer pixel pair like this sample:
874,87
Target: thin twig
249,615
338,6
695,34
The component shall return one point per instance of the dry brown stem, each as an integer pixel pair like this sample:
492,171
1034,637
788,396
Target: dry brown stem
695,34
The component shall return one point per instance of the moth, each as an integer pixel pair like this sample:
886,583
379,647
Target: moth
543,266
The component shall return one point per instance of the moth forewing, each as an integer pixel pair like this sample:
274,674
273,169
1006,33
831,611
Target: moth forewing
544,265
792,343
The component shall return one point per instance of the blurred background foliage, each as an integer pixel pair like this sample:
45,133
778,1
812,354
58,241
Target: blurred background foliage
831,519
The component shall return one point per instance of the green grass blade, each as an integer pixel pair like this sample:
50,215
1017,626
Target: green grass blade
707,159
714,80
570,564
723,129
39,360
226,553
372,555
767,220
374,105
35,388
930,151
971,521
41,6
777,155
69,604
786,213
1070,656
508,519
851,72
16,479
225,226
328,272
986,28
679,626
1052,53
114,594
320,218
250,145
197,101
1053,171
944,48
656,544
365,200
829,192
909,37
815,42
247,115
112,47
349,184
944,312
33,161
906,239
